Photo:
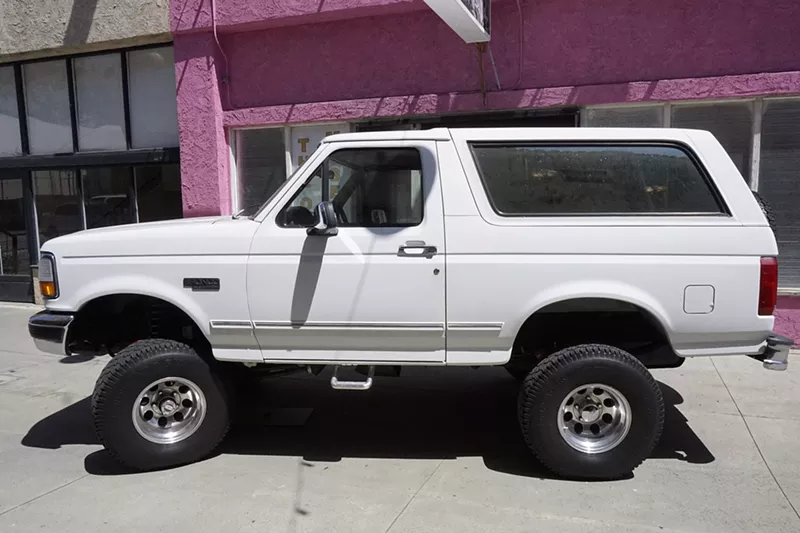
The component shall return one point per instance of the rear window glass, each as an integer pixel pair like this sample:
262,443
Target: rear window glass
593,179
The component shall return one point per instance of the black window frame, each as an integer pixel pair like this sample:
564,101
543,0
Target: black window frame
325,193
724,211
77,157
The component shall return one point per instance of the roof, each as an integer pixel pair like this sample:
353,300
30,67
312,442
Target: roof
520,134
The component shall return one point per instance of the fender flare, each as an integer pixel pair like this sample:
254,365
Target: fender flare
607,290
140,285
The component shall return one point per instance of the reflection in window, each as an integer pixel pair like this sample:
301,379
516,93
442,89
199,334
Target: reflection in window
154,109
10,143
101,116
107,196
14,258
260,164
57,203
730,122
368,188
779,184
47,104
602,179
625,117
158,192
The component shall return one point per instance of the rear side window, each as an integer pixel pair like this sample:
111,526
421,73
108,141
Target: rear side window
597,179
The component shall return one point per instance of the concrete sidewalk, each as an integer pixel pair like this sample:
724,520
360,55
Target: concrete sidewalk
434,450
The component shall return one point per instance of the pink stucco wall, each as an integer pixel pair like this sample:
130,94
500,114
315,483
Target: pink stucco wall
787,317
294,61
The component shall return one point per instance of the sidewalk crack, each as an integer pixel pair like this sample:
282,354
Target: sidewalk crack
411,499
67,484
753,438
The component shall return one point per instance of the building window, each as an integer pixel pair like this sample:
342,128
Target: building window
741,131
625,117
47,105
101,113
58,204
779,181
154,113
79,136
107,196
260,164
10,142
158,192
730,122
14,257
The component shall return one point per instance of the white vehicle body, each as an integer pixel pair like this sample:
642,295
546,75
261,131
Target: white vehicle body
287,297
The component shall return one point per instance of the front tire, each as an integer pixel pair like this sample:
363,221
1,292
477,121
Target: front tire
158,404
591,412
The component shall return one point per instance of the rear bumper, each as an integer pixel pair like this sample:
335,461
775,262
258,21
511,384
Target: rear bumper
776,354
49,331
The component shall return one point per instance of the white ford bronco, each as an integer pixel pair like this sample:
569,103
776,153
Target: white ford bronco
576,258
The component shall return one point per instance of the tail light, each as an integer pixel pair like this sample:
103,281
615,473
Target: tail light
768,286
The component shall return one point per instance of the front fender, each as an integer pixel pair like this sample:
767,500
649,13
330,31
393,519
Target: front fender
134,284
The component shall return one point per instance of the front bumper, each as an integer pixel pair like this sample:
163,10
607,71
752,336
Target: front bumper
776,354
49,331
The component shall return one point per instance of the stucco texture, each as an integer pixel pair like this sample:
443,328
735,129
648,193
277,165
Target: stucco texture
204,185
787,317
411,52
33,28
295,61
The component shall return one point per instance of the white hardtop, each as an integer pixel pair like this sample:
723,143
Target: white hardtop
524,134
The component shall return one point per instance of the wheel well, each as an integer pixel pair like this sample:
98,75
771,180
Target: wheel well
109,323
595,320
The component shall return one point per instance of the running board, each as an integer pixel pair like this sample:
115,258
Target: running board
352,385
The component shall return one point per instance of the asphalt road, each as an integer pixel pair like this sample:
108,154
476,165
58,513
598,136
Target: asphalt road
433,450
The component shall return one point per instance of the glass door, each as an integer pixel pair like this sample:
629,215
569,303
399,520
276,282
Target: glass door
15,255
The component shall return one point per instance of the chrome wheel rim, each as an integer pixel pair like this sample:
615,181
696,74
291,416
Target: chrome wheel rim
169,410
594,418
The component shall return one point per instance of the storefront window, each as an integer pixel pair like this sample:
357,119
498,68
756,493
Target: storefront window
626,117
154,112
58,205
10,143
730,122
107,196
158,192
14,258
260,164
101,115
47,105
779,183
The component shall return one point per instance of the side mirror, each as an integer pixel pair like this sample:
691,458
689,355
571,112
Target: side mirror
325,221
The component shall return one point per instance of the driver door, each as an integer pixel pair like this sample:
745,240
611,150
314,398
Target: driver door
375,291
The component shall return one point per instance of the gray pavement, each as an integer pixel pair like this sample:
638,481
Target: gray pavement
434,450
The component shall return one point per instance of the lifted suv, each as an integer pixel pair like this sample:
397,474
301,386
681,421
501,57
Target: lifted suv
576,258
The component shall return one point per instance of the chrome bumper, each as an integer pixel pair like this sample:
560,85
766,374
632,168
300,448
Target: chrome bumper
776,354
49,331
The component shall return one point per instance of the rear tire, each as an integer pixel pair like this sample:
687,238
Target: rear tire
158,404
591,412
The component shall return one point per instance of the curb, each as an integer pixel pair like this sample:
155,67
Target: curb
17,305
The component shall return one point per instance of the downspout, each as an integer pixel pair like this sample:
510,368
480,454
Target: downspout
224,76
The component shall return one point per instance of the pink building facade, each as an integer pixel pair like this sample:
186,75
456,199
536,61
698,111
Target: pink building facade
259,82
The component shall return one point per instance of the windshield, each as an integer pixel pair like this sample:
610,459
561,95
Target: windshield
252,210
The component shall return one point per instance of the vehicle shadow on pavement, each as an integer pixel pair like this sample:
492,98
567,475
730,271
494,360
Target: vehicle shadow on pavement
425,414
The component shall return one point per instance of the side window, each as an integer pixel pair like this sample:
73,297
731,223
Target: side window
593,179
368,187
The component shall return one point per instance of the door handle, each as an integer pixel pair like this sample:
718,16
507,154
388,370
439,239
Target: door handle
416,249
